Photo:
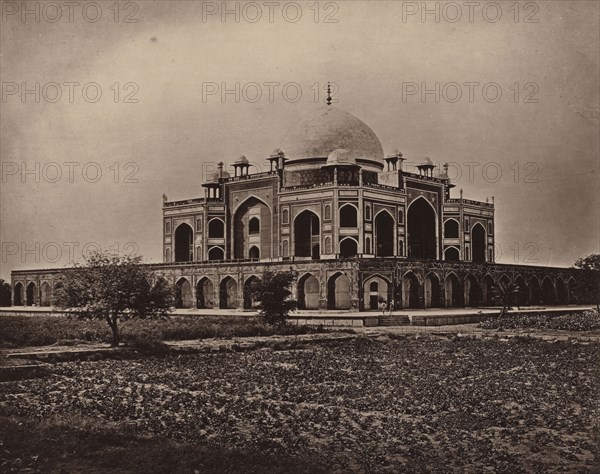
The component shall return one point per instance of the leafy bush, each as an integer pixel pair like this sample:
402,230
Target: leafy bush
584,321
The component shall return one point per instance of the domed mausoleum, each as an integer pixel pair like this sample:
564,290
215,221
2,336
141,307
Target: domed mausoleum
356,227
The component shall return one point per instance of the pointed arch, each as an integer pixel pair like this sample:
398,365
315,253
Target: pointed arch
348,247
252,226
432,291
487,290
228,293
308,292
249,300
375,288
411,290
535,291
451,228
183,293
478,243
307,235
254,253
472,291
451,254
205,293
31,294
421,228
184,243
548,292
216,228
18,294
384,234
338,291
522,291
452,291
348,215
216,253
46,294
562,296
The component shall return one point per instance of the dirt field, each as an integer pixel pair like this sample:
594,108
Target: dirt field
385,405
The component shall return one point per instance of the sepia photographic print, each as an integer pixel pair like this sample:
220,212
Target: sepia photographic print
299,236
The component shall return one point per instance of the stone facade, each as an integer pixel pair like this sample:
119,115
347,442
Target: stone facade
353,224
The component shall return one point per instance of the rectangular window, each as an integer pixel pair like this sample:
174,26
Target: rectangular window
466,225
490,228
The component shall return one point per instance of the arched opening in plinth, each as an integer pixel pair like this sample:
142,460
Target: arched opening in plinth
522,291
184,243
384,234
478,243
421,230
338,292
307,235
535,292
487,290
183,293
561,292
18,294
472,292
249,286
308,292
375,289
205,293
410,291
432,291
31,294
46,295
228,293
452,291
548,293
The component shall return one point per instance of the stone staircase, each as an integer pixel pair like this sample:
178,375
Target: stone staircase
393,320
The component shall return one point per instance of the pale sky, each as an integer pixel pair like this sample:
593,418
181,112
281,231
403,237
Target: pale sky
542,134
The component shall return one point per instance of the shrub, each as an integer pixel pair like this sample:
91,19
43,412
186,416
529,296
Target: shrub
584,321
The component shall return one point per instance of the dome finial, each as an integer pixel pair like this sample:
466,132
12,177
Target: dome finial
328,100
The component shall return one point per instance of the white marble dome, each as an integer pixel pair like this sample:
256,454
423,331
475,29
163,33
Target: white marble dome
314,137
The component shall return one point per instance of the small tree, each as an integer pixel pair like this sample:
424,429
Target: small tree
111,288
273,293
5,293
504,294
589,286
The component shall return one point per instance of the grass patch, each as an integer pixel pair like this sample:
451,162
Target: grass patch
23,331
